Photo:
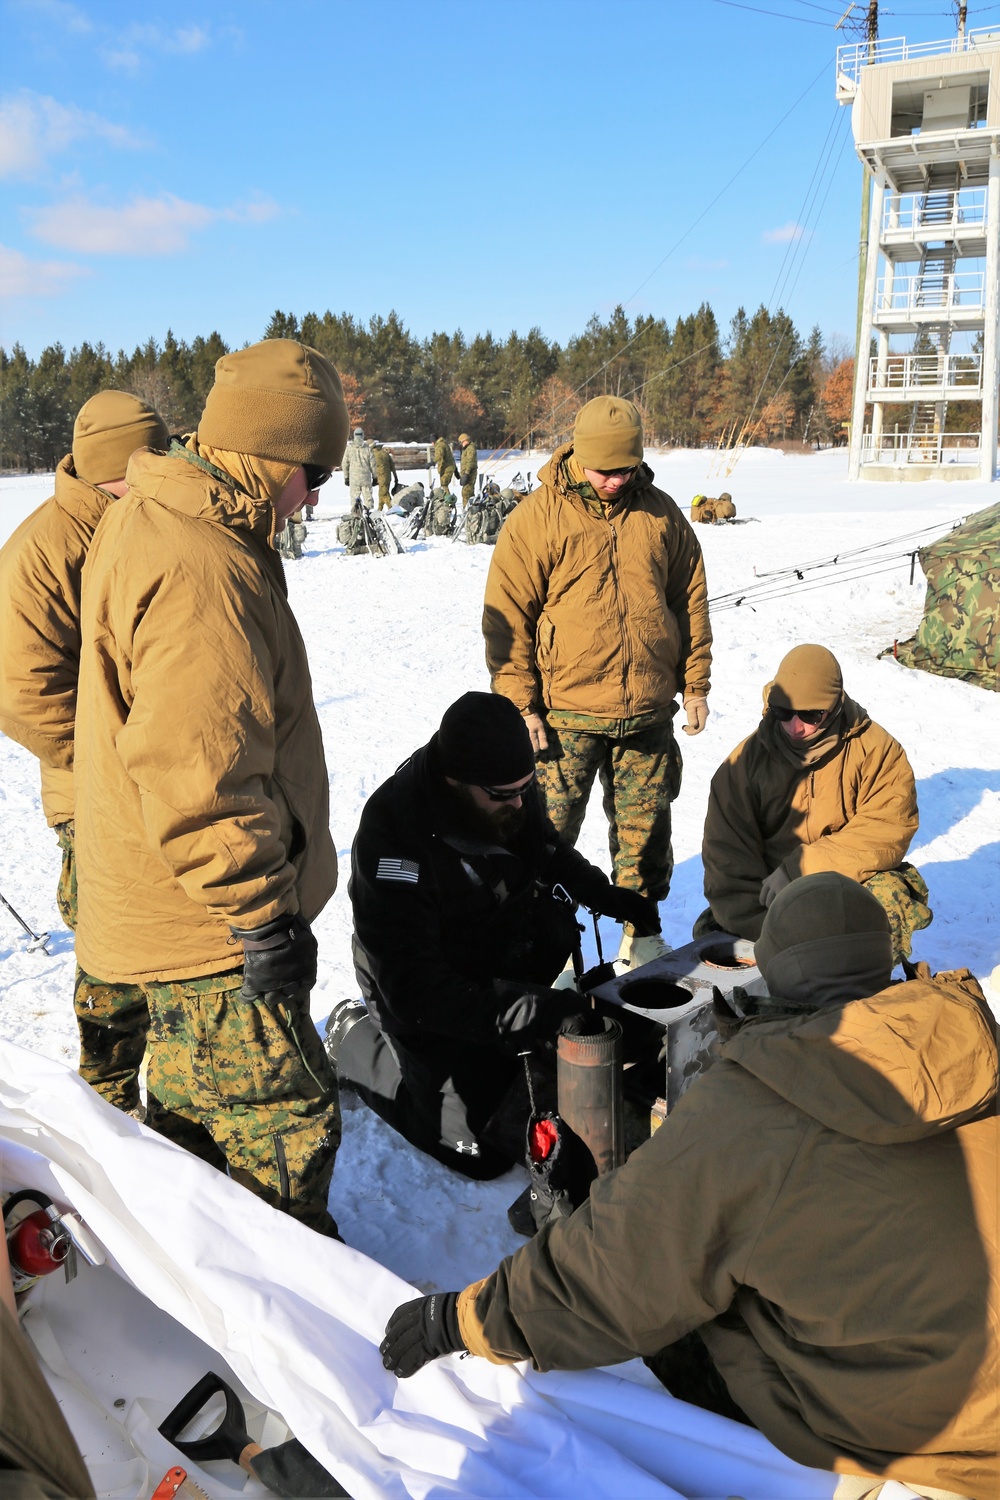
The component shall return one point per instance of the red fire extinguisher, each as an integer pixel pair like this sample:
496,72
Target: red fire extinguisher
38,1243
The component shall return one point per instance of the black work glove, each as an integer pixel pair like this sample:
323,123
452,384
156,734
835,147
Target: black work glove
629,906
420,1331
535,1013
583,1023
278,957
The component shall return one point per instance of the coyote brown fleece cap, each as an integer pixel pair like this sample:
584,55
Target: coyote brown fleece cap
484,741
108,430
824,938
278,399
607,434
808,677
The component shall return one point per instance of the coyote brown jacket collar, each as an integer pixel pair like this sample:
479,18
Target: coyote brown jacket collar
853,811
822,1206
40,569
202,793
596,614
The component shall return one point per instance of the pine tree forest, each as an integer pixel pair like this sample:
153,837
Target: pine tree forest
759,383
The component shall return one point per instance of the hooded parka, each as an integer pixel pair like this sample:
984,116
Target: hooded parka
853,810
597,610
202,791
40,570
822,1207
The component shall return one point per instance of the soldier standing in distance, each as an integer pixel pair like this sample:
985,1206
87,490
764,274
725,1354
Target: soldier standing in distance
444,459
359,469
385,468
468,466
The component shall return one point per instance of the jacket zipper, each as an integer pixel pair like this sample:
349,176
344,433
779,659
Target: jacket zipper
626,654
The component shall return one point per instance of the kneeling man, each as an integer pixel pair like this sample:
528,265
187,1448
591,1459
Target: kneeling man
464,903
817,786
808,1242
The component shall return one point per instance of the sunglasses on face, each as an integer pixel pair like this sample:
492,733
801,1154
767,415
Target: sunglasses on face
508,793
807,715
315,476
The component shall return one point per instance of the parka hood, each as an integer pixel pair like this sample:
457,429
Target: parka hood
178,481
84,502
915,1060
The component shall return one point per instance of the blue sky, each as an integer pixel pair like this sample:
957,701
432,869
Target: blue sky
473,164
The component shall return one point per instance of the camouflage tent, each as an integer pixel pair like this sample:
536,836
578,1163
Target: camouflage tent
959,635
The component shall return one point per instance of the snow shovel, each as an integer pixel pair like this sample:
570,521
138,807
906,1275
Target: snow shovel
289,1469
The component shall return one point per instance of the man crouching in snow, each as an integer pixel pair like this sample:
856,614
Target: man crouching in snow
202,793
817,786
463,898
812,1231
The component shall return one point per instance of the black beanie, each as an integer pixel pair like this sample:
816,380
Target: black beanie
484,741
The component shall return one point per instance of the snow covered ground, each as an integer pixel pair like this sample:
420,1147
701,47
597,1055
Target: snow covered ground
392,641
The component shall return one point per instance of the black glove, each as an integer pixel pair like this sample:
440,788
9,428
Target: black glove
280,956
534,1013
583,1023
420,1331
630,906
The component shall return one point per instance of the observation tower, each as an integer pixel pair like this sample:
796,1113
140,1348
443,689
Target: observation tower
926,123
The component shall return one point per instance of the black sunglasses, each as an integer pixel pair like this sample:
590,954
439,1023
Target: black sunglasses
507,793
315,476
807,715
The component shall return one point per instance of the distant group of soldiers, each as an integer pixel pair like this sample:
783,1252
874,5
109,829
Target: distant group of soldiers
806,1244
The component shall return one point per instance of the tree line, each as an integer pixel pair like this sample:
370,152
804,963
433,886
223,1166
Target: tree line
760,382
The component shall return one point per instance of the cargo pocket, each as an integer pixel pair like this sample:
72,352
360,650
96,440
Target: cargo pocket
258,1050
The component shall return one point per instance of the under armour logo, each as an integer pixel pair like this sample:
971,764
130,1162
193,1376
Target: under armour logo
469,1150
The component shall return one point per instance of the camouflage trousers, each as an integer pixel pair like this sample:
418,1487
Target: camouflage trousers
244,1083
903,895
445,476
112,1019
290,539
640,774
384,497
362,492
468,490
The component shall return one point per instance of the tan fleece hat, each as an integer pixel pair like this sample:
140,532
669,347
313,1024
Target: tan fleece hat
108,430
825,937
808,677
607,434
278,399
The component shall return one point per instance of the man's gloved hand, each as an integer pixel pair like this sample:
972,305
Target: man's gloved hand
535,725
420,1331
531,1014
280,956
630,906
583,1023
696,710
775,882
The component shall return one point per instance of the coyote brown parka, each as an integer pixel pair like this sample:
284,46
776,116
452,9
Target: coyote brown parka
854,811
202,791
601,614
822,1207
40,569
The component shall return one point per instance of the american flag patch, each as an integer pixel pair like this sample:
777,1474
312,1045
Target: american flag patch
398,869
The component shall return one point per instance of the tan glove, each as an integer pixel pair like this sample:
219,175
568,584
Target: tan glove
697,715
536,728
773,885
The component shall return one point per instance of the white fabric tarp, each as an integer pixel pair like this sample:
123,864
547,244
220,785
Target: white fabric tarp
201,1275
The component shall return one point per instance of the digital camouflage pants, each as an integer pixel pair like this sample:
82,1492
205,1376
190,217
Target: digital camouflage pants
112,1019
640,774
244,1083
902,893
468,490
290,538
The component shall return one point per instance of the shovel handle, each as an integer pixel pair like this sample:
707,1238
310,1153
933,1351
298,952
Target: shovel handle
249,1453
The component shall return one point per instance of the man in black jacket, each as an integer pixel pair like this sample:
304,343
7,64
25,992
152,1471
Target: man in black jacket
464,903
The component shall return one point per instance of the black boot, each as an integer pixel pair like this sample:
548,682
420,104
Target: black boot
345,1015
